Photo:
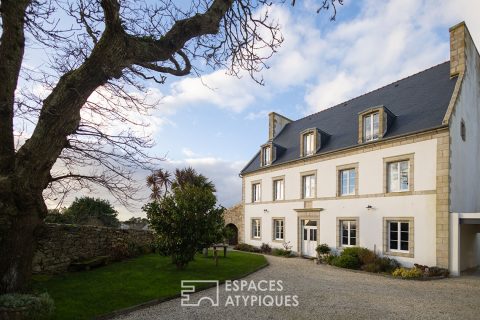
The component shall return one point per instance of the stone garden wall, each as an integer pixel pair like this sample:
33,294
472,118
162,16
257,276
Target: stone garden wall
61,244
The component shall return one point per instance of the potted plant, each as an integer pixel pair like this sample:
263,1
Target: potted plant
323,250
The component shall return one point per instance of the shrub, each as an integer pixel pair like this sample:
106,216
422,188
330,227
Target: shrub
287,247
37,307
265,248
329,258
323,249
406,273
281,252
364,255
245,247
346,261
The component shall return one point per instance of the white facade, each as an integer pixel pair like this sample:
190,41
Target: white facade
418,203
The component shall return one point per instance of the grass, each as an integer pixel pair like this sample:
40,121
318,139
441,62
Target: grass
84,295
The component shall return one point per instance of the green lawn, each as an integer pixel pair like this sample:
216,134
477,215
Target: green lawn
83,295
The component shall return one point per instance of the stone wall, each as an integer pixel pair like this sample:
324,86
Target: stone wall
61,244
234,215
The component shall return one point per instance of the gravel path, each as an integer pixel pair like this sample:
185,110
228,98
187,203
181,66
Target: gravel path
326,292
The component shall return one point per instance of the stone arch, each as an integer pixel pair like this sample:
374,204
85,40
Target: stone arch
234,216
233,232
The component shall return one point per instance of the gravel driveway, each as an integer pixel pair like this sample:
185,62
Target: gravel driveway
326,292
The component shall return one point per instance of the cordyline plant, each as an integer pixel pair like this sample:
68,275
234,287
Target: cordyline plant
98,50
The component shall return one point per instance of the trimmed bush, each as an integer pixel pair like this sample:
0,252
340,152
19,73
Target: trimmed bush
382,264
432,271
245,247
346,261
323,249
265,248
281,252
34,307
406,273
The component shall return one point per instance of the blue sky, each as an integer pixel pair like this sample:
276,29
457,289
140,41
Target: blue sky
217,129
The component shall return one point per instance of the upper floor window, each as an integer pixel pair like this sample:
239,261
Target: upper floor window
397,176
371,126
308,144
266,155
278,189
347,182
308,186
256,192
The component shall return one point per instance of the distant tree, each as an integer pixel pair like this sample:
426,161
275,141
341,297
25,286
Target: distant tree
87,210
57,216
187,219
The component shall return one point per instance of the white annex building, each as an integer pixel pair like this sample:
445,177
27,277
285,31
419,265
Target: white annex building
396,170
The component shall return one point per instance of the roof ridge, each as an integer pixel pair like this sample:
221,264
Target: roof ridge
342,104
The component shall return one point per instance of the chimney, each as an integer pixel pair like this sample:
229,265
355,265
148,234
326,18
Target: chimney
458,34
276,123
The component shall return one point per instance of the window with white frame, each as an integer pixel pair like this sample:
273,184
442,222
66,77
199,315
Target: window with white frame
347,182
308,186
256,192
278,229
308,144
256,228
397,176
371,127
278,189
267,156
398,236
348,233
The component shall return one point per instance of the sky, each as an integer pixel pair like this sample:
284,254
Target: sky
218,127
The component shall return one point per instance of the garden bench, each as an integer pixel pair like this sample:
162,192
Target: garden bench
215,246
90,263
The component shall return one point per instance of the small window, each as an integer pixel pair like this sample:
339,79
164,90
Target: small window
256,228
347,182
397,174
278,229
256,192
308,186
463,130
267,155
348,233
308,144
278,189
371,127
398,236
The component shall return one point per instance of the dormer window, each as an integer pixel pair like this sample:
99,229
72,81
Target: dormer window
266,155
308,144
371,127
373,123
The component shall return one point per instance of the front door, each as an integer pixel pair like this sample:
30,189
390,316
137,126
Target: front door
309,237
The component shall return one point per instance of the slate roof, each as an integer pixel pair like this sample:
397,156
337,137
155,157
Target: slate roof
419,103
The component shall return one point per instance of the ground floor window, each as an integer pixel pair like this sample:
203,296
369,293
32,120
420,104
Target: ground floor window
348,232
256,228
278,229
399,235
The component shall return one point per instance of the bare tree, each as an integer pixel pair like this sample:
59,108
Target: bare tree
101,52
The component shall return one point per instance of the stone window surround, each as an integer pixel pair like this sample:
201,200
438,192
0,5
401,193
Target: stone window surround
411,237
308,173
277,178
411,166
273,230
339,234
381,122
251,190
315,141
251,228
340,168
262,147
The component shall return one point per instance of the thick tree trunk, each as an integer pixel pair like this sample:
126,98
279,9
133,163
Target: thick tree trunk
20,220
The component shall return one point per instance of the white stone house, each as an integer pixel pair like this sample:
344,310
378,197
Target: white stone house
395,170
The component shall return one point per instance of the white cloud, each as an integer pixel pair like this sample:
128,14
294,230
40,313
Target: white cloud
387,41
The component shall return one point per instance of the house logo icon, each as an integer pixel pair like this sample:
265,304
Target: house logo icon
188,299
